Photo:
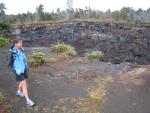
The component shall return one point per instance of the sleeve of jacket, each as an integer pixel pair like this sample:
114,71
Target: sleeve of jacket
11,59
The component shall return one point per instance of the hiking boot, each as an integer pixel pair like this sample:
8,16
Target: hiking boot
20,94
30,103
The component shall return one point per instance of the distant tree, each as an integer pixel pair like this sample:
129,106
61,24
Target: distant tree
2,8
108,14
148,10
124,13
131,14
54,16
116,15
81,13
2,12
139,11
4,24
63,14
29,17
39,12
148,14
141,14
58,11
77,15
46,16
94,15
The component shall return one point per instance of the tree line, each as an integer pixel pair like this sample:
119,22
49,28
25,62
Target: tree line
127,14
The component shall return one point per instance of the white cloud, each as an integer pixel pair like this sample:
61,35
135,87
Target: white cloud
19,6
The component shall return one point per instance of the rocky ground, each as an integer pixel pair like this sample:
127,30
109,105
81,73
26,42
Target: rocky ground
77,85
119,42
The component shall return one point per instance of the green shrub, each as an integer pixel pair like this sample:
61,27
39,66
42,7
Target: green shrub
95,55
63,48
37,58
3,42
5,26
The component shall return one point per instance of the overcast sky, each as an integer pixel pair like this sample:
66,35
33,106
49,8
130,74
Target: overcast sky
20,6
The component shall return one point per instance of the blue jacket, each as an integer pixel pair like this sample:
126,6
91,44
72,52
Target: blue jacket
18,61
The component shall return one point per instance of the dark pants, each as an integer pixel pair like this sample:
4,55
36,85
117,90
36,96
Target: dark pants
21,77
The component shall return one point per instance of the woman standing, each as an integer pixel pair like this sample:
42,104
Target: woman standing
19,65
